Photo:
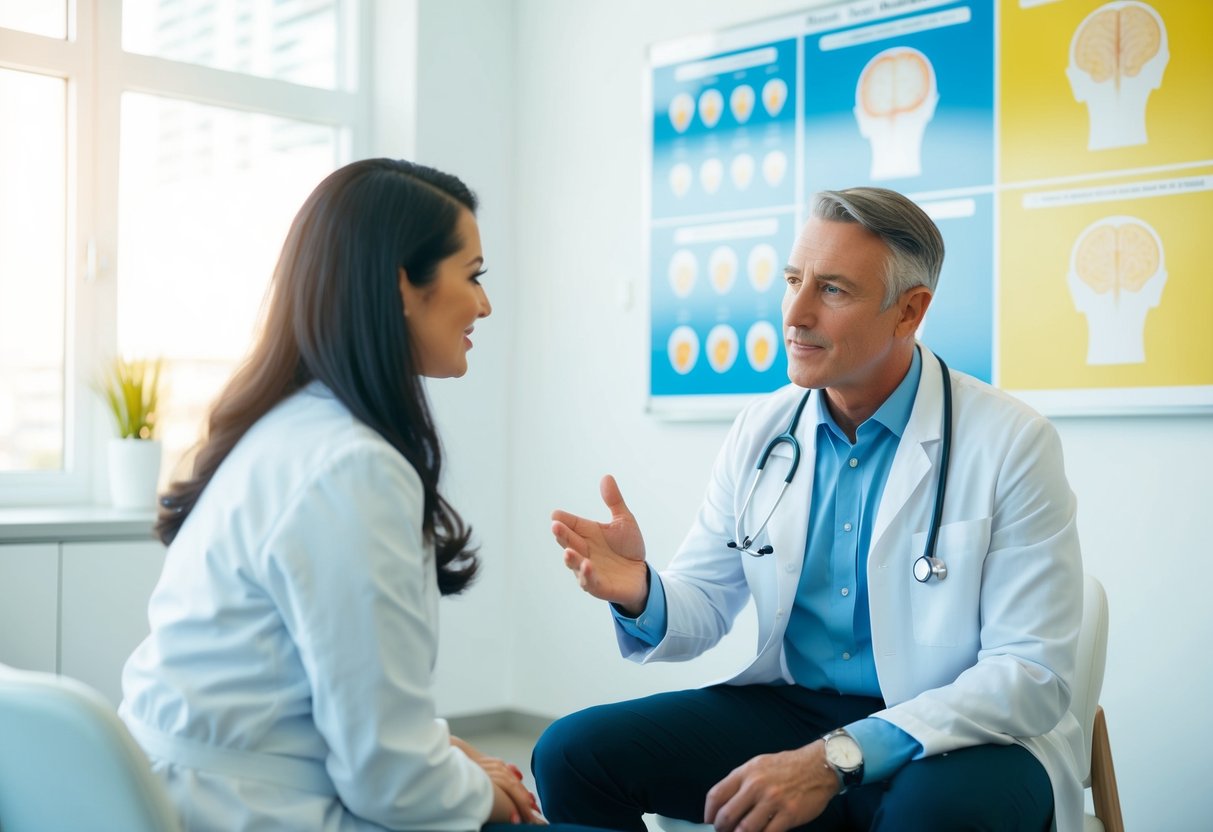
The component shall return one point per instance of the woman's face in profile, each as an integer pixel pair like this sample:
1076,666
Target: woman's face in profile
441,315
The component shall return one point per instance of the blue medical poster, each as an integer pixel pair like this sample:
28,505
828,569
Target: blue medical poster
905,103
723,201
716,298
724,133
960,321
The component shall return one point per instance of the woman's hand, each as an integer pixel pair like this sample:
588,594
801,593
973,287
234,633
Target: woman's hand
467,748
512,803
607,558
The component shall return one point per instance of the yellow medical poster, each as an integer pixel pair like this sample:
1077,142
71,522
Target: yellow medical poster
1105,298
1090,86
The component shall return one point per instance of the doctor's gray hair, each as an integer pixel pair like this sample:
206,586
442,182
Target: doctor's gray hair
915,244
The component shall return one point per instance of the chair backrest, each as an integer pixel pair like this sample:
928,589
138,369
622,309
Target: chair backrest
1092,655
68,762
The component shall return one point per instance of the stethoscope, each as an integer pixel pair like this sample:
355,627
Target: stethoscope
925,566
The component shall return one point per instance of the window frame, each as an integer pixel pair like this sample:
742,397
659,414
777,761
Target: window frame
98,72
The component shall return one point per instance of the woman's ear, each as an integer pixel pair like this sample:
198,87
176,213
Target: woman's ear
408,293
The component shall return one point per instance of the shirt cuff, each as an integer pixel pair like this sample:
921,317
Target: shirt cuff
886,748
650,625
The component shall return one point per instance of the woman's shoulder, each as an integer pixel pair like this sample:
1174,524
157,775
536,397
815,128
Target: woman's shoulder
311,438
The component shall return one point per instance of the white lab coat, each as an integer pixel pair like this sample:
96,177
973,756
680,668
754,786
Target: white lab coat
296,623
985,656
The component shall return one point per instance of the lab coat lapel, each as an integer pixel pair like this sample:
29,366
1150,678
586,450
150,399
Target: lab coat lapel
912,463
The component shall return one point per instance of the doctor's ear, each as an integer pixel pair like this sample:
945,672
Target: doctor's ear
913,305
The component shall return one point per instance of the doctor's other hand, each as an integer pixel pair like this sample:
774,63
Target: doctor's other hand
607,558
773,792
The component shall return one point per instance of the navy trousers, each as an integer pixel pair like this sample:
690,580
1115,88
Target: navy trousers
607,765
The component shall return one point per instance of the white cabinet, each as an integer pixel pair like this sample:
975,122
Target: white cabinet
29,605
74,587
103,608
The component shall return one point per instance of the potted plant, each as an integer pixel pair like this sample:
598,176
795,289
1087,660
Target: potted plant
131,388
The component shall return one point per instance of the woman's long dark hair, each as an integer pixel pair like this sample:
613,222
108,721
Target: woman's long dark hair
335,314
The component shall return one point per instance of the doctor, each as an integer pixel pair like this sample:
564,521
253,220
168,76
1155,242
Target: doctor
883,695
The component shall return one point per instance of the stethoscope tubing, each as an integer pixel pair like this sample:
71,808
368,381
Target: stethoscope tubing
788,436
927,565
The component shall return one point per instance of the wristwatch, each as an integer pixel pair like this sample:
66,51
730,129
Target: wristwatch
845,757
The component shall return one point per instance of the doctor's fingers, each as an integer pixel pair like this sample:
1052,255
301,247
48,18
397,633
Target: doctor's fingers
577,523
746,811
570,539
613,497
581,567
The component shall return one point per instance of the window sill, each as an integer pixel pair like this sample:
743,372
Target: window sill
74,523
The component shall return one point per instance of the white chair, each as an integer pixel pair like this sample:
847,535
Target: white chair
68,763
1098,773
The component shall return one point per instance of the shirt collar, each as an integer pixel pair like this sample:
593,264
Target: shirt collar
894,413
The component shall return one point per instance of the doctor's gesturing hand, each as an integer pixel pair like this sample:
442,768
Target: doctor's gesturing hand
607,558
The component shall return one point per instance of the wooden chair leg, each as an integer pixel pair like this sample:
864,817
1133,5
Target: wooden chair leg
1104,793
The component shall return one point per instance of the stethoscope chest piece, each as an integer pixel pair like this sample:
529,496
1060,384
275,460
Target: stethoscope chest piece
926,566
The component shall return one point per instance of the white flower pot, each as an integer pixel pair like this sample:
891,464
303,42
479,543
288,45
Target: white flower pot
134,472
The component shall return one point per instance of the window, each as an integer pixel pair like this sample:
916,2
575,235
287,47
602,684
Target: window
152,156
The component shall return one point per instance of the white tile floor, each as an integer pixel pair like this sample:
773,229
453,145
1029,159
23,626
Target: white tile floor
515,746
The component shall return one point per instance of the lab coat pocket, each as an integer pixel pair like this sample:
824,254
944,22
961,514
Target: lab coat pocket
947,612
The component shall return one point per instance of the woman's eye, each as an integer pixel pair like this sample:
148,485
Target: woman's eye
476,277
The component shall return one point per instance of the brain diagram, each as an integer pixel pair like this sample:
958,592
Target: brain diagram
1116,42
1117,257
1117,275
1118,55
894,82
895,99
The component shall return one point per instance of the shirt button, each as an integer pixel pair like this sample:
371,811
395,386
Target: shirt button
846,527
791,567
853,462
845,592
846,657
779,614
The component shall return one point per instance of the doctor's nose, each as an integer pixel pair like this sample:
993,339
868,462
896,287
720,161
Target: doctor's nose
800,309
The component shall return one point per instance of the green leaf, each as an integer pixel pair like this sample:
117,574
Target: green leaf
131,388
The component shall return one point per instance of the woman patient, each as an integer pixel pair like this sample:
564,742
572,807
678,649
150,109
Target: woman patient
287,680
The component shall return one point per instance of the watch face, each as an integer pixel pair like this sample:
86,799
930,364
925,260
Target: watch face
843,752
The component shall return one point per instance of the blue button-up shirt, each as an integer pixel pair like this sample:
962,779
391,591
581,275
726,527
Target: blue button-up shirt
828,642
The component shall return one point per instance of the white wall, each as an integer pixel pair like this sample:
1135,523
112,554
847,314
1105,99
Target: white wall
538,105
464,111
